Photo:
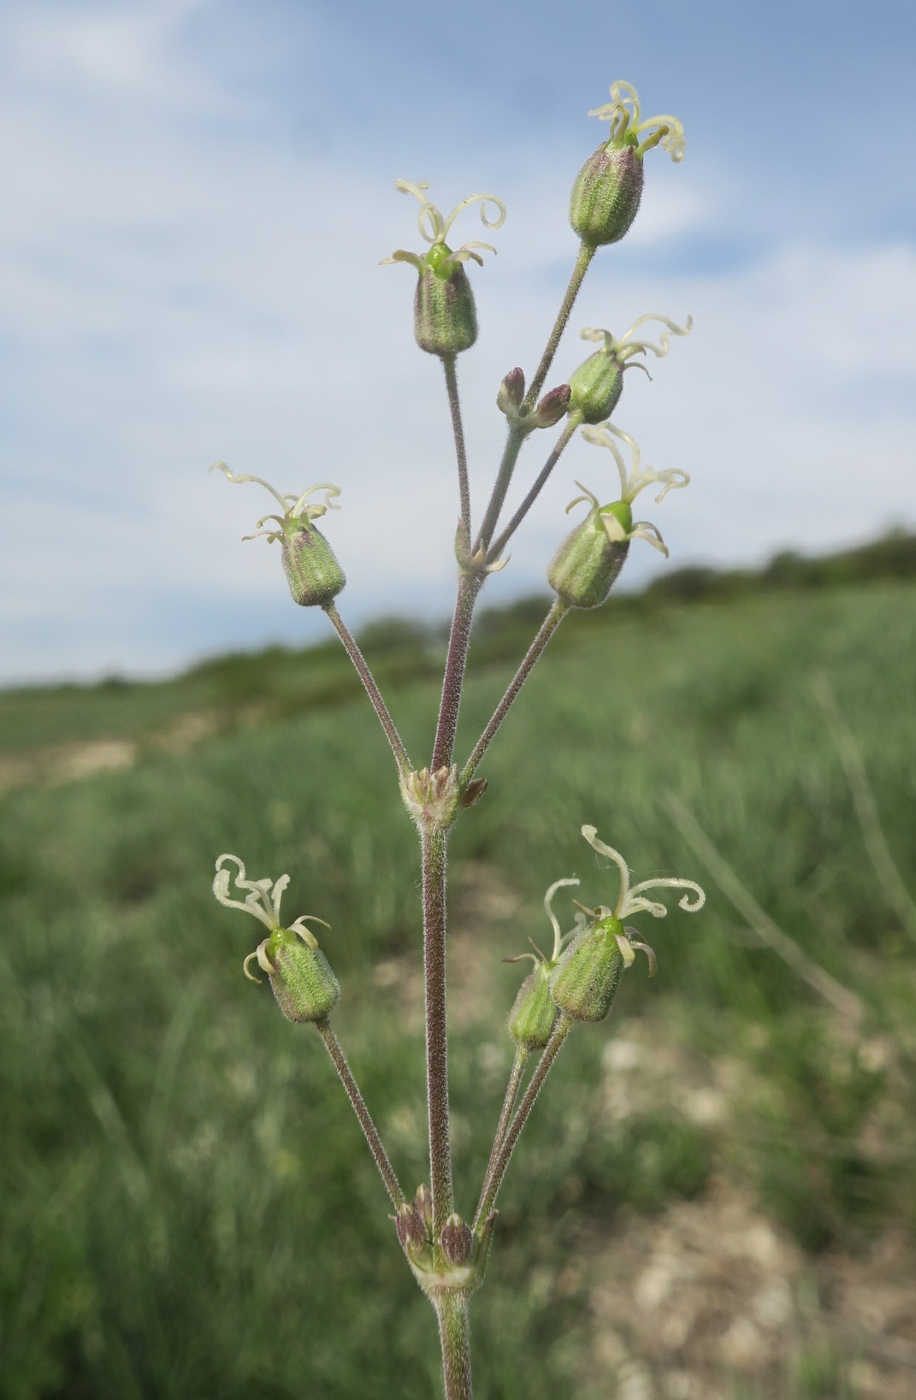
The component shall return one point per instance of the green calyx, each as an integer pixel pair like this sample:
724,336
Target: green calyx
310,564
585,980
302,980
534,1011
587,563
595,387
445,318
606,193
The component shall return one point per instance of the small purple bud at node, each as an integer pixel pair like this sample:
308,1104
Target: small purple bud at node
511,392
552,407
474,792
411,1229
456,1239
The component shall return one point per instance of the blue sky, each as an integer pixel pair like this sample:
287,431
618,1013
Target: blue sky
196,197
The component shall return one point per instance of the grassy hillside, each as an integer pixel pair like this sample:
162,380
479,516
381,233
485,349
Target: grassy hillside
187,1208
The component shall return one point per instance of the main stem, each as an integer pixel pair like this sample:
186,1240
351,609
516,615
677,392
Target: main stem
454,403
585,256
392,1185
469,585
433,850
455,1337
550,624
372,690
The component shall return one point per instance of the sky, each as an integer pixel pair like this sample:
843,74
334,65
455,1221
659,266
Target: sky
197,196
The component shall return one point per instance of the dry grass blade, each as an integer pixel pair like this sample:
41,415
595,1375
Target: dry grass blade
866,808
843,1000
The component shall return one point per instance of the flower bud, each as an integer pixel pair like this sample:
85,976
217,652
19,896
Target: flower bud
552,407
588,561
586,978
456,1239
411,1229
312,571
444,316
534,1011
302,981
511,391
474,791
423,1205
595,387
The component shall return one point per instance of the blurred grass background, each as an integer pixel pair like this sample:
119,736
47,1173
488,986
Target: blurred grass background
187,1206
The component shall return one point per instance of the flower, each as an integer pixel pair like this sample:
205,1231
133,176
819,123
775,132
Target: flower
445,318
617,518
301,978
627,125
596,385
312,571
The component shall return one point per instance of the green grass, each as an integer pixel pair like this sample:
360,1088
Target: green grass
187,1207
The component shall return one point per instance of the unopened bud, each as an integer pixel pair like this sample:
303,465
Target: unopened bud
474,792
300,975
511,392
423,1205
411,1229
456,1239
589,560
585,980
534,1012
314,576
552,407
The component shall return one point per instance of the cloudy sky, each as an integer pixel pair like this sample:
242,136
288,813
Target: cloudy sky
196,196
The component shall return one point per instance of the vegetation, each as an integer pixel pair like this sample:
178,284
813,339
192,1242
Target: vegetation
188,1207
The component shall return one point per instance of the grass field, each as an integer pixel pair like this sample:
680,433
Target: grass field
187,1207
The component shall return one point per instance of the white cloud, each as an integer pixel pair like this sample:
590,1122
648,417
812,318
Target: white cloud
176,291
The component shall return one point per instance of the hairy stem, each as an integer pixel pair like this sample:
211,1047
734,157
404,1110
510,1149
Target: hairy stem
499,545
550,624
372,690
512,1088
464,490
469,585
503,477
545,1064
336,1053
572,291
433,847
455,1337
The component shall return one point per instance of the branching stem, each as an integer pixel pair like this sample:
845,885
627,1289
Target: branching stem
336,1053
545,1064
499,545
372,690
512,1088
550,624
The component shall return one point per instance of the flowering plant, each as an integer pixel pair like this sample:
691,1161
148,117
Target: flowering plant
577,984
